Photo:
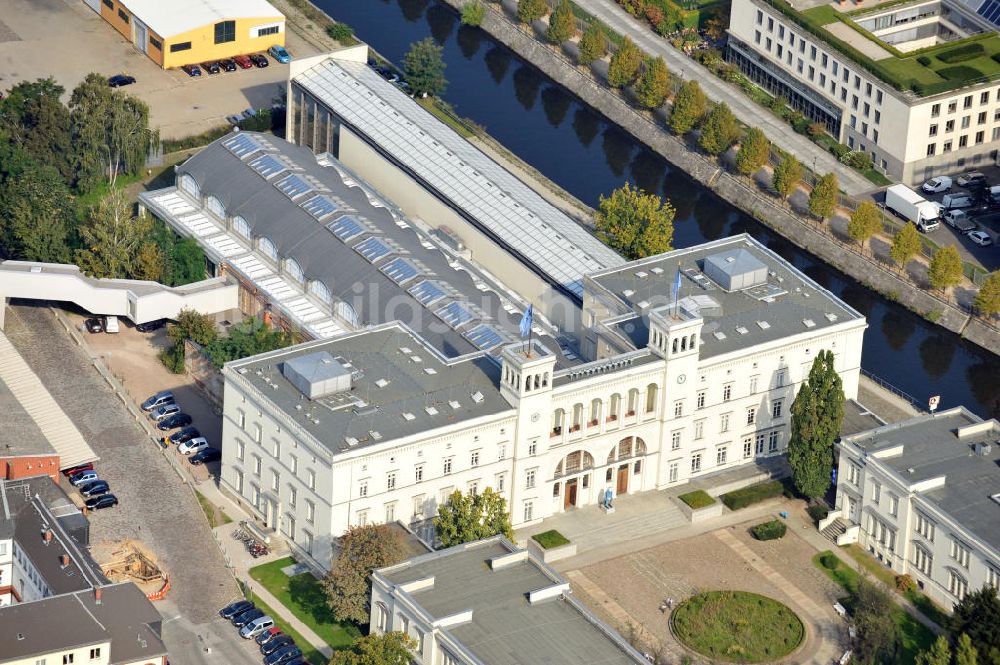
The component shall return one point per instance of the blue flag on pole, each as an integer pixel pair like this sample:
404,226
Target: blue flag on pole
526,321
677,286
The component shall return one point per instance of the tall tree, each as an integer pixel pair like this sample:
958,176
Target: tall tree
466,518
114,240
823,198
46,134
965,652
635,223
562,23
90,106
593,44
424,68
817,413
529,11
394,648
905,244
36,216
754,152
988,298
654,83
690,106
787,176
866,221
978,616
624,65
946,268
348,584
877,633
938,654
130,138
720,130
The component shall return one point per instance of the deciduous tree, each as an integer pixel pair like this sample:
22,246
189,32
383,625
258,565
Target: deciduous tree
690,106
473,13
787,176
823,198
905,244
654,83
635,223
877,633
593,44
113,239
624,65
36,218
562,23
529,11
754,151
988,298
720,130
965,652
424,68
817,413
362,549
946,268
394,648
866,221
465,518
192,325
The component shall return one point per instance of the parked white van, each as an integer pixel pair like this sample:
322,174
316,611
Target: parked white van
111,324
951,201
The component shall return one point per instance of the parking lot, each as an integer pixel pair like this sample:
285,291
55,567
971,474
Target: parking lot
66,40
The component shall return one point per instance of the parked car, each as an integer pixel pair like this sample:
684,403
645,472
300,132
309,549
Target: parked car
935,185
952,201
174,421
981,238
268,635
280,54
283,655
235,607
959,219
205,455
158,400
118,80
72,471
111,324
165,411
192,70
183,435
195,445
82,478
971,179
211,67
227,64
256,627
94,325
150,326
96,488
244,618
279,642
243,61
259,60
101,502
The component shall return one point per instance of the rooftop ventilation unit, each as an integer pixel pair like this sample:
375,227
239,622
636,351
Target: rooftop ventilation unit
317,374
982,449
735,270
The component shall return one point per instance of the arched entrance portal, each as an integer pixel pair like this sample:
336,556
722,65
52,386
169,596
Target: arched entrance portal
577,464
622,465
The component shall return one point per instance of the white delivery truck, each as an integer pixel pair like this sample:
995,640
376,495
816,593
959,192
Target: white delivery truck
906,203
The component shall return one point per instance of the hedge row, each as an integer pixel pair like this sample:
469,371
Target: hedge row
747,496
697,499
961,54
769,530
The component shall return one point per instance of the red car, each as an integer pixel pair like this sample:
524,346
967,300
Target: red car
243,61
89,466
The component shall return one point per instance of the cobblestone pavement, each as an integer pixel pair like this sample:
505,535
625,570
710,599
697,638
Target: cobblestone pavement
155,507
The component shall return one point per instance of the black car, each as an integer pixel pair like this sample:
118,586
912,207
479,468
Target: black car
276,643
244,618
283,655
174,421
183,435
103,501
234,608
192,70
227,65
94,325
95,488
212,67
267,636
118,80
205,456
259,60
150,326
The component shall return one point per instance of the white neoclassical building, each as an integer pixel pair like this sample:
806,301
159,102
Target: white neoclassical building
379,425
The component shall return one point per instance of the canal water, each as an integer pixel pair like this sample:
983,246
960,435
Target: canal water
578,149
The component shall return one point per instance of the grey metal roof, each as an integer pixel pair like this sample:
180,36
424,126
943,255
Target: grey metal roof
505,629
495,199
399,387
372,260
20,434
790,303
931,449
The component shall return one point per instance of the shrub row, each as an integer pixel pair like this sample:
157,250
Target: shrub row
961,54
963,73
753,494
769,530
697,499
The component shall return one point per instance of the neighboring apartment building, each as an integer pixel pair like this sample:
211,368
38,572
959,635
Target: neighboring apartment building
490,603
859,70
381,425
181,32
923,497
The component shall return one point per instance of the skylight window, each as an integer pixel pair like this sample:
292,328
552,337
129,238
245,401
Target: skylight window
763,325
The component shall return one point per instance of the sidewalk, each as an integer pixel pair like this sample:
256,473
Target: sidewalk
777,130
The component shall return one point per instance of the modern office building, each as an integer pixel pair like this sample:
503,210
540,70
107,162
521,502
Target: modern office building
490,603
380,426
923,497
915,85
182,32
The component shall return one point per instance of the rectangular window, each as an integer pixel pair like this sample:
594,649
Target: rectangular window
776,408
95,653
781,31
812,52
933,130
447,466
760,17
984,97
751,415
721,455
963,141
727,392
532,448
979,137
923,561
180,46
390,512
257,432
362,488
501,482
675,440
269,30
853,474
756,36
935,110
770,24
967,102
876,493
893,505
529,511
700,403
474,458
981,118
753,384
993,577
109,4
293,495
501,452
925,527
156,43
958,586
240,450
275,480
311,478
123,15
822,60
724,422
878,117
699,429
931,149
67,659
529,478
390,480
747,447
696,463
310,511
952,106
772,441
767,43
672,478
960,553
225,31
678,409
256,465
966,119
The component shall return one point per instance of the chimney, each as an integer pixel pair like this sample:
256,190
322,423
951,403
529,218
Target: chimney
97,595
47,536
63,560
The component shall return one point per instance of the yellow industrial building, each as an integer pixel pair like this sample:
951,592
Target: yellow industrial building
180,32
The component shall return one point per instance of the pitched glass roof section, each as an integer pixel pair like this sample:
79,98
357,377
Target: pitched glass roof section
320,207
455,314
268,166
243,145
485,336
373,249
427,292
400,270
528,225
347,228
293,186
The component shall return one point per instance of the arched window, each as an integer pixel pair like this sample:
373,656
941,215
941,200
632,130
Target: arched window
320,290
627,447
242,227
651,390
347,313
190,185
383,617
633,401
558,417
576,461
267,248
577,417
215,206
294,270
595,411
616,407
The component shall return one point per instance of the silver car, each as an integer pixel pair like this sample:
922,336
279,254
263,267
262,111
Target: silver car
165,411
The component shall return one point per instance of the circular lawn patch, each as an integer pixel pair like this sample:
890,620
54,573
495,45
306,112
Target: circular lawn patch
737,626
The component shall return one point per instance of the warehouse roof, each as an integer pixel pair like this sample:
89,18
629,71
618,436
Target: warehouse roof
480,189
176,17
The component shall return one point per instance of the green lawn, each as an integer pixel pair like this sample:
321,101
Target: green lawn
926,606
549,539
697,499
304,597
215,516
308,651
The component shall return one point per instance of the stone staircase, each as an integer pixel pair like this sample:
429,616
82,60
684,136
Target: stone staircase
835,529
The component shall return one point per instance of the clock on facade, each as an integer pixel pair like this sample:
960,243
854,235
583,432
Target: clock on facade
535,417
681,378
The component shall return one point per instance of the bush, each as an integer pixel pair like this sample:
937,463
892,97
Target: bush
905,583
818,512
816,129
769,530
960,54
550,539
924,60
839,150
829,560
342,32
473,13
959,73
172,358
697,499
753,494
857,160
